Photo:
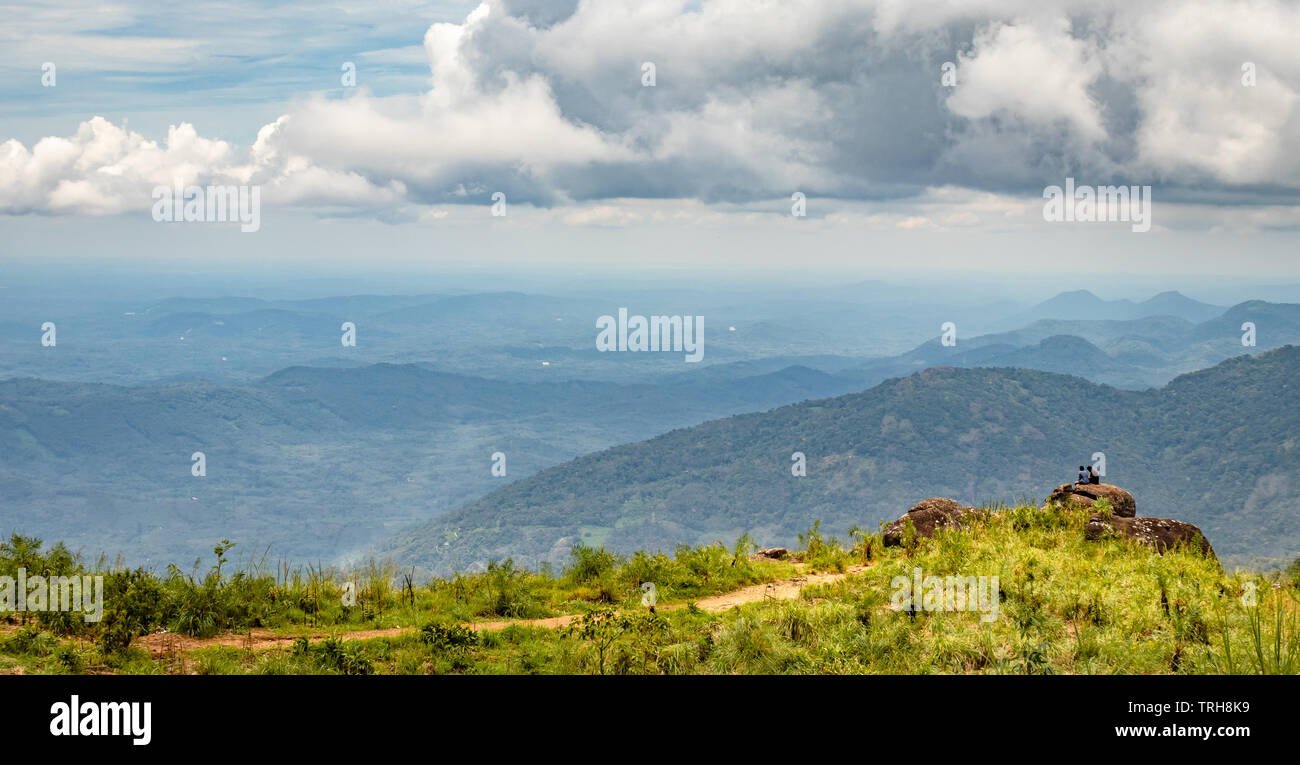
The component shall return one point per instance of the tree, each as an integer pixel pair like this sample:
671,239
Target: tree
602,626
133,605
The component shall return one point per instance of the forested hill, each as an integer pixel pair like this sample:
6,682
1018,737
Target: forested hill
313,463
1216,448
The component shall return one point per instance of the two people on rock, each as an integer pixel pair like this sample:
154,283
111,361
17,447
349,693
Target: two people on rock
1087,475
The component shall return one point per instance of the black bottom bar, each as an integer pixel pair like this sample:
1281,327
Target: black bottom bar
300,715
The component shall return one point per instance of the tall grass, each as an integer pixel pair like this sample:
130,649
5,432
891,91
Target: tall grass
1066,606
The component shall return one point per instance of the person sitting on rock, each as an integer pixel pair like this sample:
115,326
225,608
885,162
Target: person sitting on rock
1083,477
1093,475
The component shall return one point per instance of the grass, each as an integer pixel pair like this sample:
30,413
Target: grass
1065,606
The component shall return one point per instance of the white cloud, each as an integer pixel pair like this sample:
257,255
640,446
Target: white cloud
753,100
1198,117
1033,75
106,169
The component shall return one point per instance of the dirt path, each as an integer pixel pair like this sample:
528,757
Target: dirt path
261,639
782,589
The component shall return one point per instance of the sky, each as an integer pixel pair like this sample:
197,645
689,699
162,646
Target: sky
641,135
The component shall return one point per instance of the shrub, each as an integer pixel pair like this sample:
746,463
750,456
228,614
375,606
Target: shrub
587,564
346,657
133,606
455,637
509,592
31,642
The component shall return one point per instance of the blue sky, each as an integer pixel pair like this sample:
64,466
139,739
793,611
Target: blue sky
229,66
546,102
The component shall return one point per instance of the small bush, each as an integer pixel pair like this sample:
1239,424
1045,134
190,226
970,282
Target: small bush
455,637
30,641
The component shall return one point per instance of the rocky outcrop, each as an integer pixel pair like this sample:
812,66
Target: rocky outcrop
929,515
1161,533
1121,502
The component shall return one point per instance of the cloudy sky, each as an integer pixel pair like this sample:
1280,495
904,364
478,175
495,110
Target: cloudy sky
546,101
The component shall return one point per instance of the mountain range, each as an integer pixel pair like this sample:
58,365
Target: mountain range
1126,353
340,449
1216,448
1083,304
313,462
527,337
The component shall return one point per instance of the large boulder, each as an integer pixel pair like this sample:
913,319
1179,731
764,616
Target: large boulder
929,515
1161,533
1121,502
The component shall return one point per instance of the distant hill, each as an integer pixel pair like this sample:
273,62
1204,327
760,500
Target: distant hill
538,338
268,323
315,462
1217,448
1068,354
1127,353
1083,304
1173,303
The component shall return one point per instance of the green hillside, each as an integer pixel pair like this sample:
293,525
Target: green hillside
314,463
1018,592
1215,448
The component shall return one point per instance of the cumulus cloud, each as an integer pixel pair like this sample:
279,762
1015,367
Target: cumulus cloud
753,99
1031,75
101,169
107,169
1198,119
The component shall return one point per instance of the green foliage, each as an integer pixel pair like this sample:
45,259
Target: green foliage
1065,606
587,564
134,603
510,593
69,659
625,642
1272,644
29,641
1199,446
441,638
345,657
25,552
823,554
20,552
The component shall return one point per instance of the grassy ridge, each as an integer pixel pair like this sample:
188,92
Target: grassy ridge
1066,606
306,600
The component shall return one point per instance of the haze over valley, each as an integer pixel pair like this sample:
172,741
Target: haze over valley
314,449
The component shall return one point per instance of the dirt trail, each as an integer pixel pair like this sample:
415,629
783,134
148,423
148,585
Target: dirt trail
262,639
782,589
